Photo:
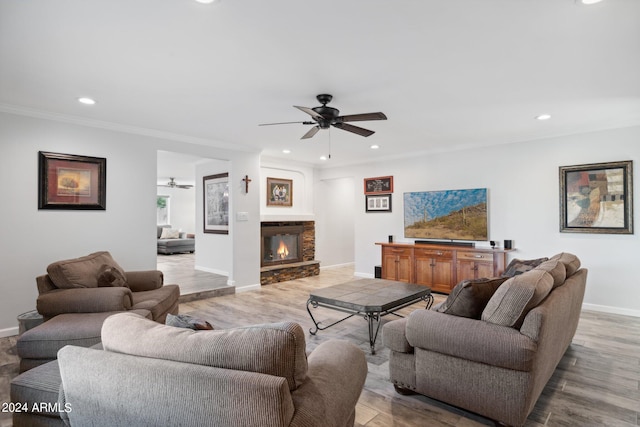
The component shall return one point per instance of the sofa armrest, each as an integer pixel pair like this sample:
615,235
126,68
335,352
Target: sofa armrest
146,280
471,339
84,300
336,375
394,336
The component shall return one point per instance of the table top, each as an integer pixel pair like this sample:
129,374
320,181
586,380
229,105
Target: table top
370,295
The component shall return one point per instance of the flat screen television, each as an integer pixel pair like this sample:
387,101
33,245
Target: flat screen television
446,215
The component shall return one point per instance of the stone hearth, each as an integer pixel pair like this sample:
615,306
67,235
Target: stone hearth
305,268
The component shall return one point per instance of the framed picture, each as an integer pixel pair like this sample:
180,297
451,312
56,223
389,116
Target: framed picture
378,185
378,203
597,198
216,203
68,181
279,192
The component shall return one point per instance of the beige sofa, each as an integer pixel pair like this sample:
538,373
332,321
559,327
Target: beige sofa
498,364
150,375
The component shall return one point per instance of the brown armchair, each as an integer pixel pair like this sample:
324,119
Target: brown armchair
96,283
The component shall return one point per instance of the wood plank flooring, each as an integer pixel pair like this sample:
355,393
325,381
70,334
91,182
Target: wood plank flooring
596,383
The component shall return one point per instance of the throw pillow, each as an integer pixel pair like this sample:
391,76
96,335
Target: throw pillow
515,297
469,297
519,266
170,233
570,261
110,276
80,272
557,270
188,322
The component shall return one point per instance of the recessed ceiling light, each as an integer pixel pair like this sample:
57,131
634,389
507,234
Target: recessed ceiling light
543,117
323,157
285,151
375,146
205,1
86,101
590,1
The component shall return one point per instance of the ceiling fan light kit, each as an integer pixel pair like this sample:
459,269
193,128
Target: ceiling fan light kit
173,184
324,117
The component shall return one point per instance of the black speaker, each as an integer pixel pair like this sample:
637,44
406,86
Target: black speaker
378,272
390,239
508,244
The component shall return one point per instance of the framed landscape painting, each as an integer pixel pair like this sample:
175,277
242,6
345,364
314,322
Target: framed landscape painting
597,198
216,203
69,181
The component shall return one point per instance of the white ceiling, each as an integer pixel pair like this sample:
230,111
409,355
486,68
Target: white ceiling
449,74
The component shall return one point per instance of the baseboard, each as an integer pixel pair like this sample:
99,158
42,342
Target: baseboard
211,270
9,332
329,267
364,275
247,288
611,310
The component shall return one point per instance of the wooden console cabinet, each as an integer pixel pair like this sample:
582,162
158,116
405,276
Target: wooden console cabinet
440,267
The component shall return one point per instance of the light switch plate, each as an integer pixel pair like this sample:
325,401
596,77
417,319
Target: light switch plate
242,216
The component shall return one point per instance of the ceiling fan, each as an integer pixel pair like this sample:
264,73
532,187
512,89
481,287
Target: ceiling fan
173,184
324,117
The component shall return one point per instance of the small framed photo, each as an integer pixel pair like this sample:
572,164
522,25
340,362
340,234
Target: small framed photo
216,203
69,181
378,185
279,192
597,198
378,203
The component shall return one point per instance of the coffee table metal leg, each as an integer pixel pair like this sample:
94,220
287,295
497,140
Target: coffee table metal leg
315,304
373,335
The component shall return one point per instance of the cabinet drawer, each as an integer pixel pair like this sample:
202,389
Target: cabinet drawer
475,256
397,251
434,253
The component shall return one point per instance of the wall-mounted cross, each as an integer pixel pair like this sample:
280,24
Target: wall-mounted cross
246,180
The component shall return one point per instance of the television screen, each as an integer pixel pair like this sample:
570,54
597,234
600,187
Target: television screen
446,215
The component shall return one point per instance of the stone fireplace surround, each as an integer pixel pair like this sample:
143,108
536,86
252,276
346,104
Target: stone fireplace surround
305,268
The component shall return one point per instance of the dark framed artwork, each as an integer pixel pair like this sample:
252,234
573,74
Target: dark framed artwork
215,190
69,181
378,185
279,192
597,198
378,203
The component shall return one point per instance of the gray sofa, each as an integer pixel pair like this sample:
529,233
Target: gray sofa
177,243
498,364
147,374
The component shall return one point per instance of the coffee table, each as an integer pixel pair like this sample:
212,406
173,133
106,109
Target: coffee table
370,298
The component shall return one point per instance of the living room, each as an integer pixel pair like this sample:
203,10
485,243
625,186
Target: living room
520,170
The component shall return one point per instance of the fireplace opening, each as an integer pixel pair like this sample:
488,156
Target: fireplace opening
281,245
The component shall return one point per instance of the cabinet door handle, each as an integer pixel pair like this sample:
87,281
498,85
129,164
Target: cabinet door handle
438,253
479,256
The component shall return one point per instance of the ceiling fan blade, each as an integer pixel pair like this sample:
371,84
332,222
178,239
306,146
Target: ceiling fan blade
310,112
362,117
287,123
311,132
355,129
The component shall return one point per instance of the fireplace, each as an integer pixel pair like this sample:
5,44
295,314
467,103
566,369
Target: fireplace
281,244
288,251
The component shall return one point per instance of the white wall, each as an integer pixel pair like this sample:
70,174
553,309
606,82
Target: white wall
182,208
213,251
335,221
32,239
302,176
523,184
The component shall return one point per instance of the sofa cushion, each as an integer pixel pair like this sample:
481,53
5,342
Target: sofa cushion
570,261
81,272
469,297
557,270
170,233
519,266
515,297
277,349
36,386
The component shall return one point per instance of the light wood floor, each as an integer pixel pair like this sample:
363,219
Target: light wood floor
596,383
